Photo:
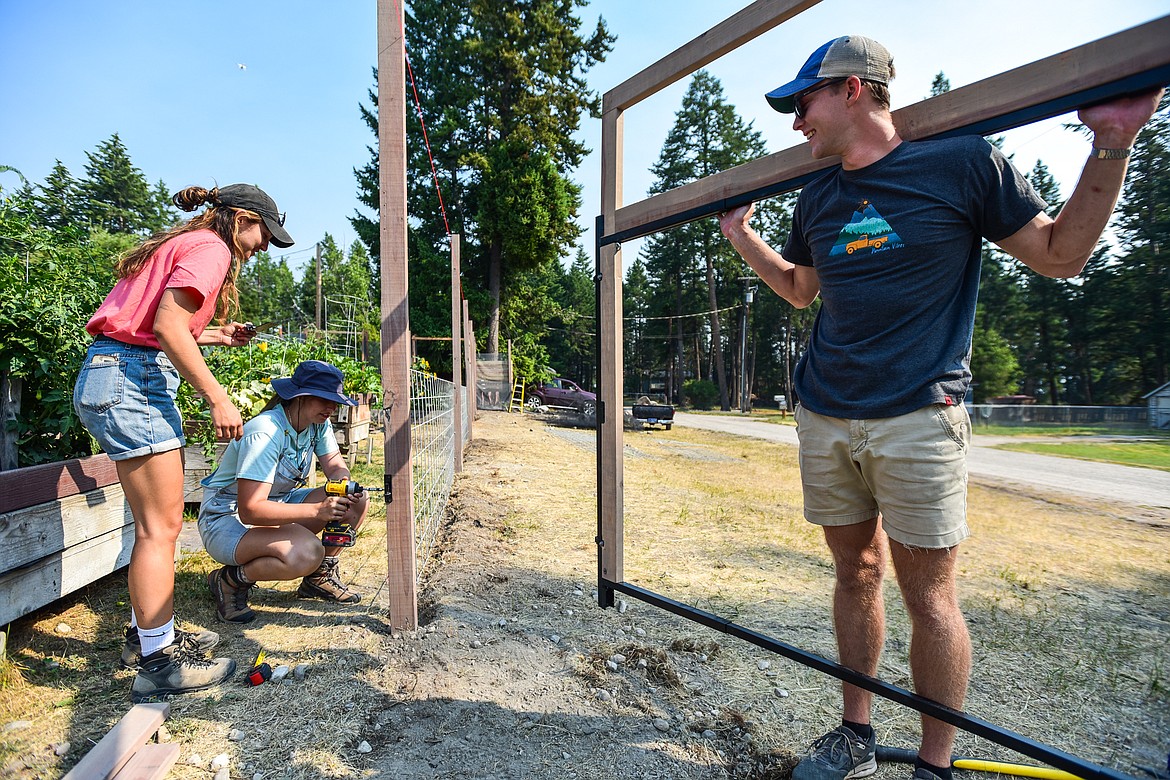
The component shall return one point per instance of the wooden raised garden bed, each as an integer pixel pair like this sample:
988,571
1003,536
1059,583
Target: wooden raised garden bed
62,526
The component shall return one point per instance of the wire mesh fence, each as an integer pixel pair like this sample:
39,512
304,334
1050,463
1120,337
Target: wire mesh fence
432,434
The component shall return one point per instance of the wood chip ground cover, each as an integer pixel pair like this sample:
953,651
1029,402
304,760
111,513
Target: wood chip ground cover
517,673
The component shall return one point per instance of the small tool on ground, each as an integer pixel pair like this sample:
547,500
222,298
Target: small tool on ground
902,756
261,672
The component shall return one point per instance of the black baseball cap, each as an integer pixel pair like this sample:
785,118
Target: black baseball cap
252,198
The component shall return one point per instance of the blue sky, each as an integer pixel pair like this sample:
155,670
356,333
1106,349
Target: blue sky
166,77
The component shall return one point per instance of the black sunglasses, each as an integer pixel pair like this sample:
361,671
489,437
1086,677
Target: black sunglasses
798,101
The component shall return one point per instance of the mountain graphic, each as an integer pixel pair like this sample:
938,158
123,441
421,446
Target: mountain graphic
867,232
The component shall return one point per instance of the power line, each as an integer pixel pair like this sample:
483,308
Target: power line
685,316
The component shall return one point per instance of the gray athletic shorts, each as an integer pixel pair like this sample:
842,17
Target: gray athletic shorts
912,469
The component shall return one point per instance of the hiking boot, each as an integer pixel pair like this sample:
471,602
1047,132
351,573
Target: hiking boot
326,584
178,668
838,755
231,597
132,650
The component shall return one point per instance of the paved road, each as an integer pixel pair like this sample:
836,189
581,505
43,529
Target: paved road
1031,473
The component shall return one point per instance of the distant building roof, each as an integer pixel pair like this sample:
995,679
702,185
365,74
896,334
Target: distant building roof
1163,390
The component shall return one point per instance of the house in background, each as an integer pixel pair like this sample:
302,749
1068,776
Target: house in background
1158,404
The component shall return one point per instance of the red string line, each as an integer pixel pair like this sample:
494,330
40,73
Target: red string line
427,143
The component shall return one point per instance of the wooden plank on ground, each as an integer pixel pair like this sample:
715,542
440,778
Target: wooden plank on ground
736,30
126,737
27,535
1125,55
31,587
152,762
32,485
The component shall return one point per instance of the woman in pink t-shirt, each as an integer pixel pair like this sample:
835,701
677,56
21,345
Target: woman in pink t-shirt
147,335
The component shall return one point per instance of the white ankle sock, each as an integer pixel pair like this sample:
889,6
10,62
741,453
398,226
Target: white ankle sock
155,639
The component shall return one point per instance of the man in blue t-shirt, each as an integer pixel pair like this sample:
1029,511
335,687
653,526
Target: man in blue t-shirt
891,240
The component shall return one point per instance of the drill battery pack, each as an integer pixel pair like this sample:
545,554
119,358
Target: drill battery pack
337,535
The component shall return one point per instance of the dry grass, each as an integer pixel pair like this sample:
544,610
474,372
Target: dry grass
1069,609
1069,605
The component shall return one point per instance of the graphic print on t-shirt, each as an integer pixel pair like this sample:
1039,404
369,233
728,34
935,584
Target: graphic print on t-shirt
867,232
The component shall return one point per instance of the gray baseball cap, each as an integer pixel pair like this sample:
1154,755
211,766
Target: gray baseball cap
849,55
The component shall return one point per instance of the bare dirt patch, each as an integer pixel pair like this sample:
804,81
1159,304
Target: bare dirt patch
516,672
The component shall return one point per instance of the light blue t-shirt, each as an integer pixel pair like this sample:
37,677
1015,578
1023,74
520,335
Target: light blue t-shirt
270,442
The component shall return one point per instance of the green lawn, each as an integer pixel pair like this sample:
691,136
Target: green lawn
978,426
1148,454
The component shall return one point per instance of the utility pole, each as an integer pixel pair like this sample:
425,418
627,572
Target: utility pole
749,294
317,316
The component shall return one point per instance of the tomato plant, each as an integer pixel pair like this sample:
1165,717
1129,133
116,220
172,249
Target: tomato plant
51,281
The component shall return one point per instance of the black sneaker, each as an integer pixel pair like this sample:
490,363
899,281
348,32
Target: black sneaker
839,755
326,584
178,668
922,773
132,650
231,598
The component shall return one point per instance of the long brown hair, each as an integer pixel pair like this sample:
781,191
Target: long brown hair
219,219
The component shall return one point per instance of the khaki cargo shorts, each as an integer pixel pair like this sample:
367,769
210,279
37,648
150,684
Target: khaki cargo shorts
912,469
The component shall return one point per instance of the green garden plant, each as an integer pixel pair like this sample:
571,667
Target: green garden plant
247,372
51,281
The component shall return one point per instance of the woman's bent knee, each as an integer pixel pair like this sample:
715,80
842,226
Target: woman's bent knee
306,556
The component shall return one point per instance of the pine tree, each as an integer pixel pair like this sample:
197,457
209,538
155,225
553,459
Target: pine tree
268,293
641,368
501,89
1143,224
708,136
114,194
56,200
1048,308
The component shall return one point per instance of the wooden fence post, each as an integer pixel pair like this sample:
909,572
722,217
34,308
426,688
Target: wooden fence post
457,352
399,493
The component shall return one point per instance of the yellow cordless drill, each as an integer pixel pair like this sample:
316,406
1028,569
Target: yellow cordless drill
347,487
340,534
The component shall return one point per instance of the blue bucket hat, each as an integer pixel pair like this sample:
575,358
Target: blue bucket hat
849,55
316,378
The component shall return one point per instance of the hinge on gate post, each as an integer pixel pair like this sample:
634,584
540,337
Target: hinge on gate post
388,487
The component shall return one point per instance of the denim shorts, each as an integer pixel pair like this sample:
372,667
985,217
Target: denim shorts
912,469
125,397
220,527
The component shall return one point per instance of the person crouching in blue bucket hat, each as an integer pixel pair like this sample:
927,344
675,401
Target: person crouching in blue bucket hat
259,519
